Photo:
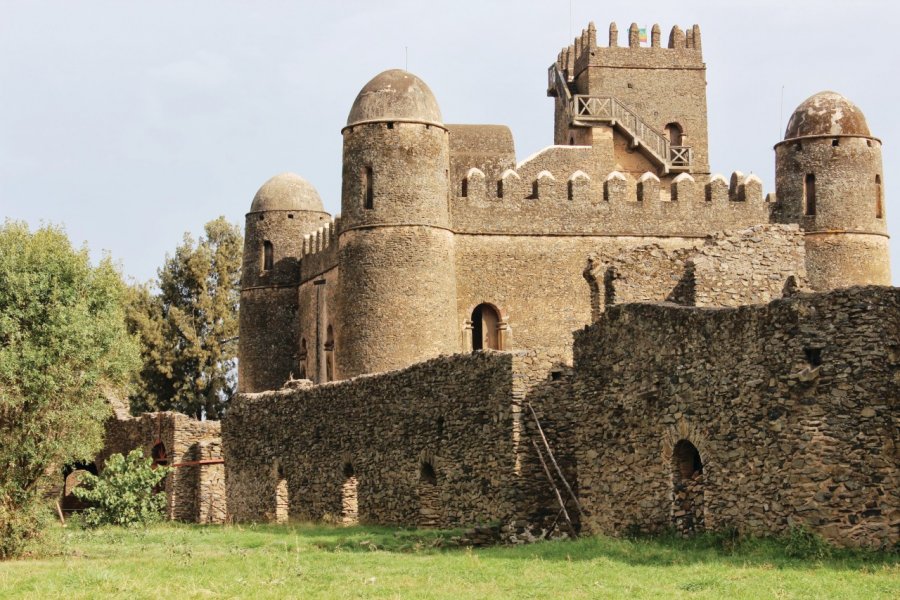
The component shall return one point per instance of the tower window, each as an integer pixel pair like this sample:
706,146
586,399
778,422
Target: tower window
370,193
809,194
268,255
836,142
879,206
465,187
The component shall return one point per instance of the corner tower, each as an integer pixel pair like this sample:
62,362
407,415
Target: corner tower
285,208
829,179
397,289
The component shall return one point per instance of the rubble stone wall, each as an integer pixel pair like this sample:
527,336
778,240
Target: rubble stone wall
792,407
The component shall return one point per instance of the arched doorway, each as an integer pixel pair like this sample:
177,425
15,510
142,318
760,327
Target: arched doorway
687,488
429,496
349,498
486,328
281,495
675,133
72,476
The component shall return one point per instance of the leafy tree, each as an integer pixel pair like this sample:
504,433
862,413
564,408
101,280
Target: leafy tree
189,328
124,492
63,347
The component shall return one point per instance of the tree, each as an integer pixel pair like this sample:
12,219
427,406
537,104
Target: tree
188,329
64,347
125,492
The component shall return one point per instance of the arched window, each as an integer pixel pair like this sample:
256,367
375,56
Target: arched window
427,474
268,255
302,358
349,497
329,354
485,328
368,187
674,132
879,206
809,194
687,487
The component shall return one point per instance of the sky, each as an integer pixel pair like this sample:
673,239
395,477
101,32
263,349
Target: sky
131,123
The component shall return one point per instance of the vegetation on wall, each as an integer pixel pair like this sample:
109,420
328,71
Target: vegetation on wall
188,326
64,348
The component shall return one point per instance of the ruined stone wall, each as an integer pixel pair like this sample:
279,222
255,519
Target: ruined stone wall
791,405
369,439
184,440
750,266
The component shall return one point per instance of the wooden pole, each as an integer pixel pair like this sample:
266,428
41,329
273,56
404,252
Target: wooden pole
553,460
59,511
559,498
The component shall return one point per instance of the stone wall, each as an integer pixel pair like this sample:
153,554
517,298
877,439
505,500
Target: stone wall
792,407
439,444
750,266
194,491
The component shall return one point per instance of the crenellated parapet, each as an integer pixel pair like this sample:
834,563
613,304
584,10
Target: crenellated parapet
320,250
552,201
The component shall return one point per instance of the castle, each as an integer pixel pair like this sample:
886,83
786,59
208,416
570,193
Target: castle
735,359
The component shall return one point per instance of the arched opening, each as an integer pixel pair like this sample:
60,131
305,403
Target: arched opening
687,488
674,133
72,476
485,328
159,454
281,495
349,498
268,255
879,206
809,194
302,358
368,186
429,496
329,354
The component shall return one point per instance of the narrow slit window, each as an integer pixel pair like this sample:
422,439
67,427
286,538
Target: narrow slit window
879,202
465,187
370,192
268,255
809,194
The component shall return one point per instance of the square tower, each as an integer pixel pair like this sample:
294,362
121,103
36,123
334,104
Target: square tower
643,108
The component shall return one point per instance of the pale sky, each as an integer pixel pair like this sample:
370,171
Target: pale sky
133,122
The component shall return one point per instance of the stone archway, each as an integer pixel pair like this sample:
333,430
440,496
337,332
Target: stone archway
687,488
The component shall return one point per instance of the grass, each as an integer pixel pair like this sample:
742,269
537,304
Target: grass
318,561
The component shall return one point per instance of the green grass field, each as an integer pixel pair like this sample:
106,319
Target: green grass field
316,561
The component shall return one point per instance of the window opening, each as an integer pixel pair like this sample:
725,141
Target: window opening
485,328
809,194
268,255
368,186
813,356
879,202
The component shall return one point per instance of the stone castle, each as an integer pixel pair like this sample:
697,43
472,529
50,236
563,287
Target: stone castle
735,359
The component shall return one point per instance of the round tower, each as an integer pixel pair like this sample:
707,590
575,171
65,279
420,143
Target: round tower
285,208
397,290
829,179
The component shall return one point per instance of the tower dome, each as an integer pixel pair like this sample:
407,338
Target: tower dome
395,95
287,191
827,114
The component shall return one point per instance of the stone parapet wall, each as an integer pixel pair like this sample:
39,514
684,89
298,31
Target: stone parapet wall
792,407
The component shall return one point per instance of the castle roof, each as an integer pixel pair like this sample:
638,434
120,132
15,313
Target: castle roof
287,191
826,114
395,95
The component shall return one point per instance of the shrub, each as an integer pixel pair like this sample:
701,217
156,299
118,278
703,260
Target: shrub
800,542
123,494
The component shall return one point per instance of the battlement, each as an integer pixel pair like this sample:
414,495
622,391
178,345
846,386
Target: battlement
319,252
683,47
548,193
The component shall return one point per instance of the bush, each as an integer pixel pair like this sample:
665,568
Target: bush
123,494
800,542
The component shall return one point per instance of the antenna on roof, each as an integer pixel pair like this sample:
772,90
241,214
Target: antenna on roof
780,113
406,50
571,25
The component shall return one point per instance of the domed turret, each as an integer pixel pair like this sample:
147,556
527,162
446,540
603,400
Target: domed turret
284,210
396,251
826,113
287,191
398,96
829,179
